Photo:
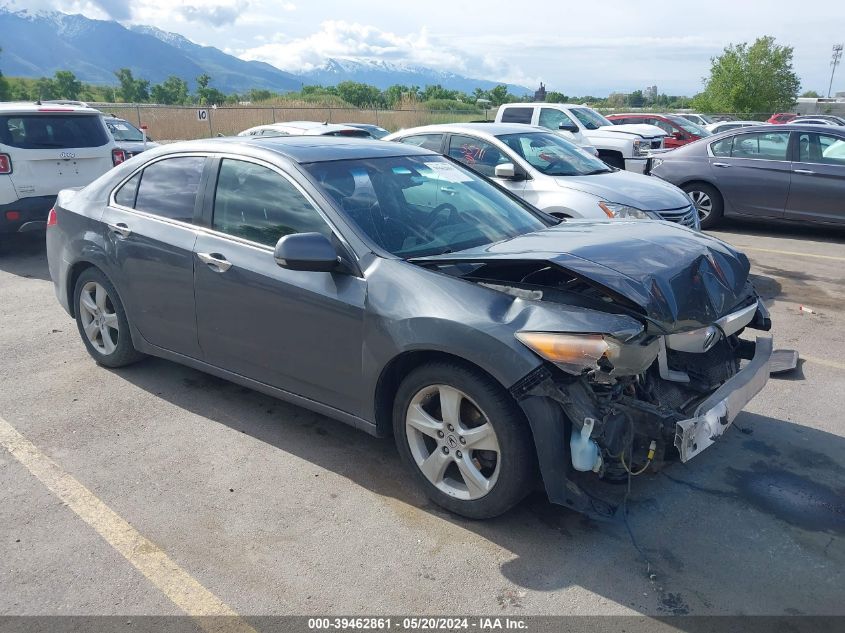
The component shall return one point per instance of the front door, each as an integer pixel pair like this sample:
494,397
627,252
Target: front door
818,179
150,232
297,331
752,170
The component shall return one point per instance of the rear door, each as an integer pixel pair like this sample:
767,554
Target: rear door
818,178
752,170
55,150
151,227
294,330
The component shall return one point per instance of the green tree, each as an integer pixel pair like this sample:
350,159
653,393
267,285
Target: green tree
556,97
359,94
172,91
499,95
5,90
393,95
132,90
747,79
811,94
206,95
44,88
67,85
636,99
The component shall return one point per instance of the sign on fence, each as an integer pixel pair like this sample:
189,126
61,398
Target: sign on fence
202,114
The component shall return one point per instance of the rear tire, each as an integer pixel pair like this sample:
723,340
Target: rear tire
464,439
708,203
101,320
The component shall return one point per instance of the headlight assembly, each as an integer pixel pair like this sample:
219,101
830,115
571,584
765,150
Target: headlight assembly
623,211
577,353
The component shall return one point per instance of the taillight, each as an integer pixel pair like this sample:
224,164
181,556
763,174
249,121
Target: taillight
5,164
52,218
117,156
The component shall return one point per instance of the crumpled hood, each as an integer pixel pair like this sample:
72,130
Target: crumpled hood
643,192
631,129
680,278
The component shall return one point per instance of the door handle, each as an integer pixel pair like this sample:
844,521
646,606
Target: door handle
808,172
720,165
120,229
215,262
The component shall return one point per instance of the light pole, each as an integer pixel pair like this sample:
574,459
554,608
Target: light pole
834,62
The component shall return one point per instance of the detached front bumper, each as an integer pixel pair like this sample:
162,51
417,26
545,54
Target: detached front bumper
717,413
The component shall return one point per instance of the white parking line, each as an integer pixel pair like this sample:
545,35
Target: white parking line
794,253
173,581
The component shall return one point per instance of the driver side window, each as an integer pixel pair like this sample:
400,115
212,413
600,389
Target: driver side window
553,119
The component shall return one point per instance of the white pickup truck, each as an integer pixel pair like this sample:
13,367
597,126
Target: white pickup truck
622,146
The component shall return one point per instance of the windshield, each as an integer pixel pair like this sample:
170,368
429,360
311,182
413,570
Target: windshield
552,155
415,206
689,126
589,118
124,131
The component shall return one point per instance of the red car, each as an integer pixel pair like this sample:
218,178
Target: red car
679,130
781,117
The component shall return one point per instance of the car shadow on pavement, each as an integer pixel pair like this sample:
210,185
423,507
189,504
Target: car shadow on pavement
24,255
753,525
790,230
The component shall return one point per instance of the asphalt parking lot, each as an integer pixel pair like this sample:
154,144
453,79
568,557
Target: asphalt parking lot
276,510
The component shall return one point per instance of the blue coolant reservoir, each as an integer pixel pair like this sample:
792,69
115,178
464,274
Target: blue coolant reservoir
584,451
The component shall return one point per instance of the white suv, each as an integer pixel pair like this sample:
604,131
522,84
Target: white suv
46,148
620,146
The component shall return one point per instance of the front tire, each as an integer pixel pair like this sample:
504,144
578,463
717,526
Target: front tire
101,320
464,439
708,203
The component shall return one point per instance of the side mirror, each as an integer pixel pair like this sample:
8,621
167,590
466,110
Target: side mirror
311,252
509,171
569,127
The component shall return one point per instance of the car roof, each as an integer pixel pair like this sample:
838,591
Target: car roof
544,103
304,149
490,129
306,125
28,107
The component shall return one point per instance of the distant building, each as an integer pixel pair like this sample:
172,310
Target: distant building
540,93
650,93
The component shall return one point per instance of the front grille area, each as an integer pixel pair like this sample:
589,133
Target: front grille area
684,217
657,143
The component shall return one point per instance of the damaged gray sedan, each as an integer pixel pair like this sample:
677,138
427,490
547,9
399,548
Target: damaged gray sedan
391,288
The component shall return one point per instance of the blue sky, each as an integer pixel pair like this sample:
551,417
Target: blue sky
575,47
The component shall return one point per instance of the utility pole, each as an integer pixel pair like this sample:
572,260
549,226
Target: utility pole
835,58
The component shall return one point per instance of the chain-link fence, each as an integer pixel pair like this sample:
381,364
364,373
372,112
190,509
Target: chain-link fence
191,122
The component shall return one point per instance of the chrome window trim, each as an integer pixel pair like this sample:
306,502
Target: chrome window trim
208,230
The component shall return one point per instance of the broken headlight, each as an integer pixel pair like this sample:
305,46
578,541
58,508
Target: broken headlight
623,211
577,353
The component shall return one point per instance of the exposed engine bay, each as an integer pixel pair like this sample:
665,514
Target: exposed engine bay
664,394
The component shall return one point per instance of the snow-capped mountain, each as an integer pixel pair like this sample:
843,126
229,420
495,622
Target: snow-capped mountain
382,74
94,49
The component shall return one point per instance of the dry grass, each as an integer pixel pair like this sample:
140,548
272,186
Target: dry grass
180,123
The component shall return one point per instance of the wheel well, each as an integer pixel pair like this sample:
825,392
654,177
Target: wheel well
73,274
701,182
610,152
394,373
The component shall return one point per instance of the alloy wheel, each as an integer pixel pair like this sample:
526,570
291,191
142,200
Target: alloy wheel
99,319
703,204
453,442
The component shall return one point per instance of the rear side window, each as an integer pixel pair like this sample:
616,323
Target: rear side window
517,115
52,131
428,141
257,204
125,196
823,149
169,187
761,145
